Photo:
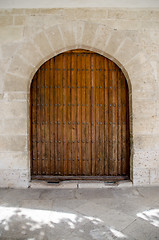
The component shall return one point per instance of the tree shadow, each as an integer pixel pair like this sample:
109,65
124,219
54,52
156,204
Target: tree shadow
35,224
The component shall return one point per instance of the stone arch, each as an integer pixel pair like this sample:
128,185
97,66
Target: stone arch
114,45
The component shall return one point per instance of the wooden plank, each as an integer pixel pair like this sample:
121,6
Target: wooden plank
47,118
114,120
97,117
56,115
42,69
109,179
106,119
101,114
87,115
127,131
65,129
119,122
110,117
93,113
73,113
52,116
123,124
38,123
79,114
59,114
83,97
69,124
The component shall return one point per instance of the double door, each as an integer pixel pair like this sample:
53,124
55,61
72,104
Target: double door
79,118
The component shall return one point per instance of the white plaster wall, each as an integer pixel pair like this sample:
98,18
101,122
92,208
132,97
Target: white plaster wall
28,37
79,3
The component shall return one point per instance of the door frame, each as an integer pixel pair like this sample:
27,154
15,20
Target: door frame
100,178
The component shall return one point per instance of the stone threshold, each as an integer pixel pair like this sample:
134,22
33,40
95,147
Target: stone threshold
79,184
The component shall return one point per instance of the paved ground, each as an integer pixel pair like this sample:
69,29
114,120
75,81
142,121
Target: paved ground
79,214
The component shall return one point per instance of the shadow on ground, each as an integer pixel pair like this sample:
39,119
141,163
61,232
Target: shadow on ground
86,214
32,224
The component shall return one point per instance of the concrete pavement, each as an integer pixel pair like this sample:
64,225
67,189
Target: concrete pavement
80,214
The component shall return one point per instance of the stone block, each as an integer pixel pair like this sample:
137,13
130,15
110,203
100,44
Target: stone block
138,65
29,30
42,42
89,33
19,20
61,185
10,110
10,160
88,14
8,50
151,50
146,143
14,83
15,96
150,25
13,143
30,53
92,185
6,20
16,126
101,38
12,178
1,96
30,11
126,51
154,175
114,42
144,125
67,31
4,64
148,15
146,159
44,21
142,82
141,176
119,14
123,184
138,93
67,185
154,14
128,25
13,11
79,28
20,67
10,34
144,107
145,38
55,11
130,14
55,38
1,86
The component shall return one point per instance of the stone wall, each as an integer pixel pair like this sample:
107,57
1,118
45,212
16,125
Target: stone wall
29,37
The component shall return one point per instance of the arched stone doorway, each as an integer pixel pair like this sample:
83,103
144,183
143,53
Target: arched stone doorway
79,119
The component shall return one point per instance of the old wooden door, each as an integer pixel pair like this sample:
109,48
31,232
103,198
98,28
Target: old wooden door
79,118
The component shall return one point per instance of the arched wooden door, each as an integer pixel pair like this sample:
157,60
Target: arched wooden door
79,118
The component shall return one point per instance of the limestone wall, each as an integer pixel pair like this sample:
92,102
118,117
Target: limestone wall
29,37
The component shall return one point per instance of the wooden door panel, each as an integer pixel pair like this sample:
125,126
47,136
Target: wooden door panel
79,117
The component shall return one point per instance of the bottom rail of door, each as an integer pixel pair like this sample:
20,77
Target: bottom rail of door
67,178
